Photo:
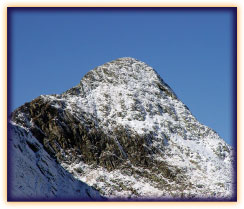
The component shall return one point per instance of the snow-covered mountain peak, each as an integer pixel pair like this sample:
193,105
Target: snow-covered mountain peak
123,131
123,92
127,72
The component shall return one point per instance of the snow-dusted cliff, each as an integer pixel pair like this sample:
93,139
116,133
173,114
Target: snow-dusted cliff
123,131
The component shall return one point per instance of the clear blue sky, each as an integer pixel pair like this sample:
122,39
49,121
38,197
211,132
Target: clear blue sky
50,50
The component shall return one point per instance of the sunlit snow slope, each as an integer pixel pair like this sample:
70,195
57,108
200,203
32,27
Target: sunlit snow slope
123,131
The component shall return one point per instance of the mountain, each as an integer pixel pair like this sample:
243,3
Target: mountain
123,131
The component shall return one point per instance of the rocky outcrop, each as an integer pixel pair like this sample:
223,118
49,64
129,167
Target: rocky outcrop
58,130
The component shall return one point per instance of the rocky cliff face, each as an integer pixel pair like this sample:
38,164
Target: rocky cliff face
123,131
34,175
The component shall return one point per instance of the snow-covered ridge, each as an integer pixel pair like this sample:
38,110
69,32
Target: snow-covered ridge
122,127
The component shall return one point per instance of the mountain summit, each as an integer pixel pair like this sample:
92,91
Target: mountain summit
123,131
